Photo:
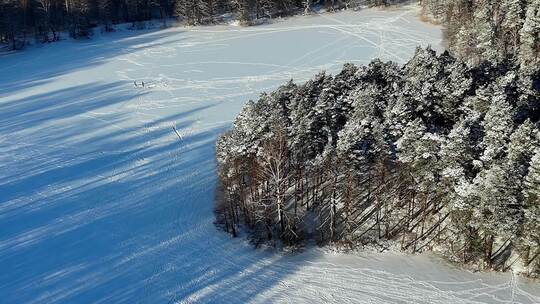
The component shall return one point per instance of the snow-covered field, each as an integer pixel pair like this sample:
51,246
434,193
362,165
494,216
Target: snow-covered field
102,202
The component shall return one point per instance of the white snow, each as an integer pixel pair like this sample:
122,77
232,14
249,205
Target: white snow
107,189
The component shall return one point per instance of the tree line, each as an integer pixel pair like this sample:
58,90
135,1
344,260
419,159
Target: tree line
489,30
432,155
42,20
475,29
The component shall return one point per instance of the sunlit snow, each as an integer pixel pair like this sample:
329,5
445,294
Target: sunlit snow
107,187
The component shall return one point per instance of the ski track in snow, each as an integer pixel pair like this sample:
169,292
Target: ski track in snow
106,189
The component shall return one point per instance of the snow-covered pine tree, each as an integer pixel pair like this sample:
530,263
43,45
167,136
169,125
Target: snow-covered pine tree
530,238
418,150
512,21
530,35
432,155
457,155
484,31
498,125
306,140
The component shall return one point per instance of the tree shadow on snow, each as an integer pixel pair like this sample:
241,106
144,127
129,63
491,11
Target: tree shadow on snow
101,205
39,66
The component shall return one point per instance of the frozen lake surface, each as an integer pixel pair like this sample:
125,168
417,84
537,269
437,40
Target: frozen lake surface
101,202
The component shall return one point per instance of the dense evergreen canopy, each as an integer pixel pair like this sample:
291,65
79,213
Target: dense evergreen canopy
434,154
476,29
489,29
21,20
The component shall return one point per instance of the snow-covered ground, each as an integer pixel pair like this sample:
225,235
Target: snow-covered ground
102,202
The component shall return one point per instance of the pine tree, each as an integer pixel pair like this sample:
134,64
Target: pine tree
512,23
306,139
243,7
11,22
531,226
79,23
106,13
463,43
183,10
484,29
493,215
418,150
457,155
264,8
431,154
523,142
498,125
530,34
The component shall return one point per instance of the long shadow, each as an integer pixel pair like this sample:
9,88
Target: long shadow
99,205
36,67
32,111
118,215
